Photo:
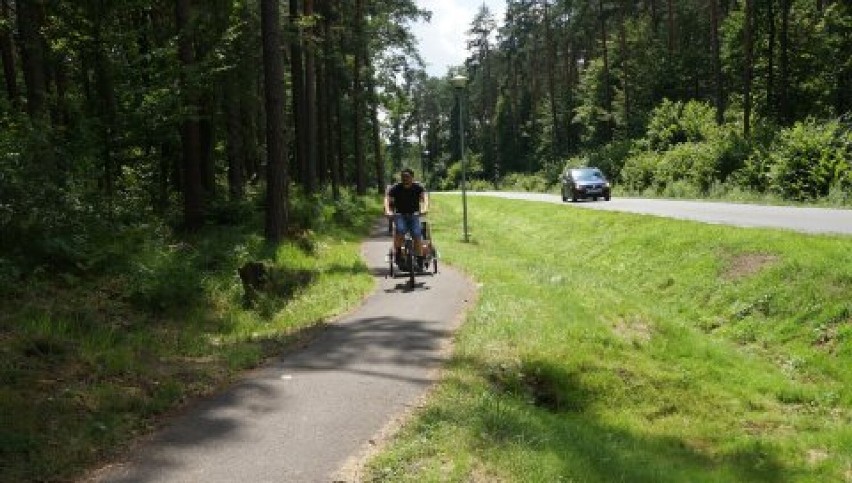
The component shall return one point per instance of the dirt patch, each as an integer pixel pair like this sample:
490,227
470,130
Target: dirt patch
817,456
633,329
747,264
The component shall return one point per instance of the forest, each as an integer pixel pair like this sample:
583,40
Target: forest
122,113
127,112
673,98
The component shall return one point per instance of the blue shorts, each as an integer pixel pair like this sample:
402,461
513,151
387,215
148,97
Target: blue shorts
408,222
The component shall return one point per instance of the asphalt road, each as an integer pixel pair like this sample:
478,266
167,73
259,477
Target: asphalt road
315,413
808,220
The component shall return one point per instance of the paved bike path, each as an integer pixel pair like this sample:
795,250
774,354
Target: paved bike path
315,412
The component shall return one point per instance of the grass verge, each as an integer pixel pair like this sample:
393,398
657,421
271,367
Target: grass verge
88,361
618,347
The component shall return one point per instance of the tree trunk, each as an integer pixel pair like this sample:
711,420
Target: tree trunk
236,156
358,97
336,158
748,67
273,76
310,106
297,74
32,58
671,24
717,62
107,110
771,101
323,125
655,17
556,126
206,141
190,139
605,54
784,82
625,77
379,163
7,53
331,109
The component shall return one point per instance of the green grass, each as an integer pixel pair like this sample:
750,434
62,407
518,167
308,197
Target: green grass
616,347
88,361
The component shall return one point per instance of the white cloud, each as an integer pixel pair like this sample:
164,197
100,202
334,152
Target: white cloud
443,41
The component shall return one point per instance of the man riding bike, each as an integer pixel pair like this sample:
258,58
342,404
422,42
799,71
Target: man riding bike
405,201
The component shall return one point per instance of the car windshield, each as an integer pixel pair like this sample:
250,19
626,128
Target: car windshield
587,175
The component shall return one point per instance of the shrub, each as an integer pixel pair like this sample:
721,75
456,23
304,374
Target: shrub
809,158
473,171
480,185
638,171
526,182
672,123
693,163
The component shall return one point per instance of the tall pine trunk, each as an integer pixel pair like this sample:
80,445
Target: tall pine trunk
784,82
107,110
605,53
358,97
32,58
297,75
7,53
748,68
276,164
190,139
556,126
235,148
719,94
310,106
379,162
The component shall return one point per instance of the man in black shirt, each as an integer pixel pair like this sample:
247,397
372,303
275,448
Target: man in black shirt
405,201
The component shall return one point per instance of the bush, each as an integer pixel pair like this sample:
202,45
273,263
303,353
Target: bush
693,163
473,171
810,158
535,183
480,185
673,123
638,172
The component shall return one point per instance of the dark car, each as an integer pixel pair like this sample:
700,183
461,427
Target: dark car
584,183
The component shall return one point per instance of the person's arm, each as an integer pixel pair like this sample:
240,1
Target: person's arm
388,210
424,202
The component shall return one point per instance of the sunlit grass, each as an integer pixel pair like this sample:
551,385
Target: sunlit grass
86,367
617,347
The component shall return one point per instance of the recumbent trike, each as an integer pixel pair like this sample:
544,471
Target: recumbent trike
407,261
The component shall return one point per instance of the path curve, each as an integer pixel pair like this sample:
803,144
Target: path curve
314,413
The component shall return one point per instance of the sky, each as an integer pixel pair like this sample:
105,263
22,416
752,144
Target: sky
443,41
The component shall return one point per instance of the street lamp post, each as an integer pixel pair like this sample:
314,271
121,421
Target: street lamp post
459,82
424,161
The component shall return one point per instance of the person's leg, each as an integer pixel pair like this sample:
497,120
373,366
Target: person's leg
417,235
399,232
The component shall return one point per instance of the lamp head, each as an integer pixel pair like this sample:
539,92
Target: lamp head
459,81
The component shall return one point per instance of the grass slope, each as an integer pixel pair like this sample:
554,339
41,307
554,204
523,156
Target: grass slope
617,347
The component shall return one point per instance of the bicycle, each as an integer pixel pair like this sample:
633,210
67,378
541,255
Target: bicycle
408,262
